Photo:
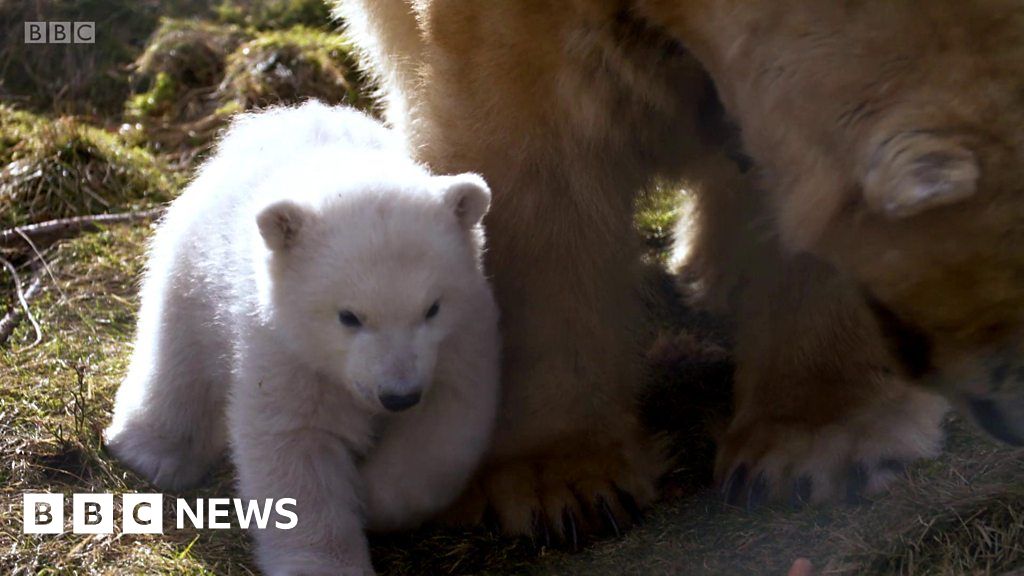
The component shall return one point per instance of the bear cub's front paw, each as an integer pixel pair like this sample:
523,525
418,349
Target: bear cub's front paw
169,463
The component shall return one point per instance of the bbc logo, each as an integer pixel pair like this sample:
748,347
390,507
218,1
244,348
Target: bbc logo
60,32
92,514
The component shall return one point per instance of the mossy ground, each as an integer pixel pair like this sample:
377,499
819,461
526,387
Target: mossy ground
962,514
194,75
62,168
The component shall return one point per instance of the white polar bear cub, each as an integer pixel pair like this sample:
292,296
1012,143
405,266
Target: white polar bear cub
316,299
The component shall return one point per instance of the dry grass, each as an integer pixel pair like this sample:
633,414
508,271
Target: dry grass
963,515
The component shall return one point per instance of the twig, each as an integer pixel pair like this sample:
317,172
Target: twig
45,264
11,320
51,230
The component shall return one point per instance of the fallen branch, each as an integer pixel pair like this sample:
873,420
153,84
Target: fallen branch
53,230
12,319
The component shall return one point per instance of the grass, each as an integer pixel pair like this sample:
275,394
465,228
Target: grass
61,168
54,401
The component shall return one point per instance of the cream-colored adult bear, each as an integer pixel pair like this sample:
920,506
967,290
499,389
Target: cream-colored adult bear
876,243
315,299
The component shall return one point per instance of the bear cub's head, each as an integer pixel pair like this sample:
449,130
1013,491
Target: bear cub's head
369,274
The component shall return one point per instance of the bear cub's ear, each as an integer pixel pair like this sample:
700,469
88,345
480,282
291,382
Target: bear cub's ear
468,197
280,224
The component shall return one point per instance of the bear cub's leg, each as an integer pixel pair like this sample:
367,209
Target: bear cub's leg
168,422
286,444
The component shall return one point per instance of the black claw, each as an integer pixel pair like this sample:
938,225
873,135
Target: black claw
569,525
802,489
629,505
758,493
733,487
856,482
609,516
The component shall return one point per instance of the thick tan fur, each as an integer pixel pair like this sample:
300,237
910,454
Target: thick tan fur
891,140
569,109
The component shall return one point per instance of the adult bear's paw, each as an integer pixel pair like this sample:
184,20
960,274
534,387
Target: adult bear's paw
564,497
765,459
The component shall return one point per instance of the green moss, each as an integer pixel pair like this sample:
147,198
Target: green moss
175,108
286,66
64,168
156,101
15,126
180,70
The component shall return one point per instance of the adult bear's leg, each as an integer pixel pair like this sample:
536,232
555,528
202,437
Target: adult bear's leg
564,265
568,110
819,411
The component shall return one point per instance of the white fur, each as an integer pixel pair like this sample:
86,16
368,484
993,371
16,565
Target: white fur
302,213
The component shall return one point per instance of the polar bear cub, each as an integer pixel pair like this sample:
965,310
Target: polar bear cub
315,300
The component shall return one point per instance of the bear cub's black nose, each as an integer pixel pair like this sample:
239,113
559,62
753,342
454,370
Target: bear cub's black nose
399,402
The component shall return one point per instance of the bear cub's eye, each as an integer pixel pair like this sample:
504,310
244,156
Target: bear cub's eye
349,319
433,310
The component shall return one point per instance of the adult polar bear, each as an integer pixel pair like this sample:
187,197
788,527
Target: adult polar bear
887,241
